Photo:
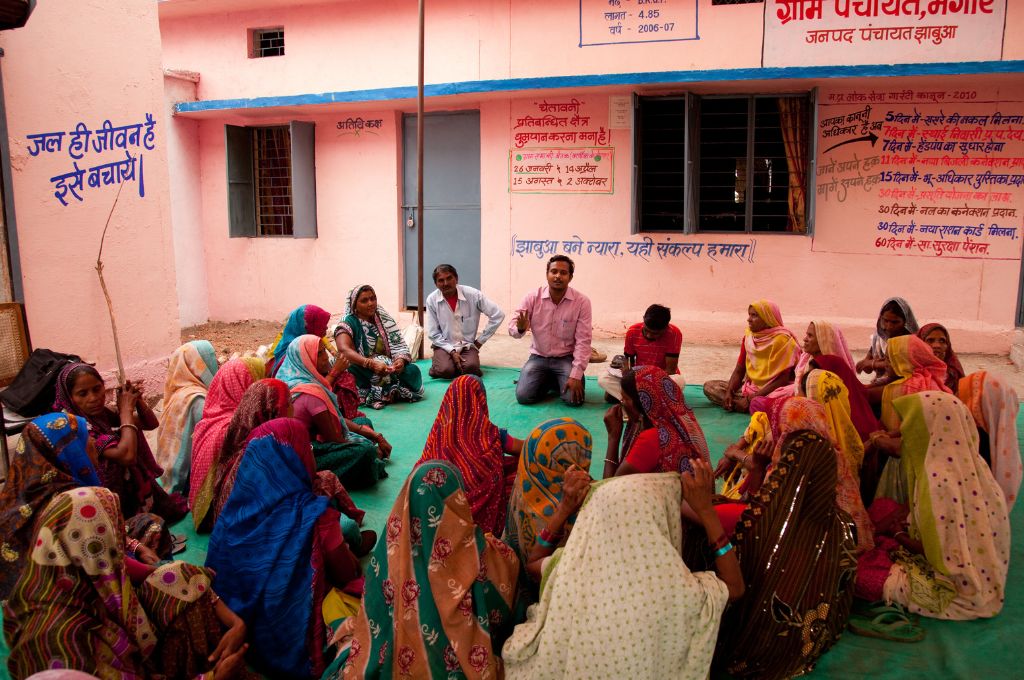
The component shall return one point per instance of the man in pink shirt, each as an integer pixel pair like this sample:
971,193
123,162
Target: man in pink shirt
560,319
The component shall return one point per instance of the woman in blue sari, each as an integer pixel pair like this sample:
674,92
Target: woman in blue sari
277,550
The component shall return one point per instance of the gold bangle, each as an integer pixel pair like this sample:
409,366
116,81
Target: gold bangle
131,425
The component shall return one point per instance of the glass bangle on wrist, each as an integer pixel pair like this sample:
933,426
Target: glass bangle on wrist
723,550
719,542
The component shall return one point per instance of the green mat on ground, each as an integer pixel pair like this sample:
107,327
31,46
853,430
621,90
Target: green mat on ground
951,649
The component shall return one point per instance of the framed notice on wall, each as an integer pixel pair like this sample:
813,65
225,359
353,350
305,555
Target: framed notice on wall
847,32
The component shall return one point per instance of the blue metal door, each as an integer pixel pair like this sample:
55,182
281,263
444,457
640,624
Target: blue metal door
451,198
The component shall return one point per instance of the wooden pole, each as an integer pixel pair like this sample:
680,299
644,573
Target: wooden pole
419,179
106,293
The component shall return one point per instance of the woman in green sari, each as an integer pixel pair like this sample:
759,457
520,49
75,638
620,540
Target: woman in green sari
381,362
439,590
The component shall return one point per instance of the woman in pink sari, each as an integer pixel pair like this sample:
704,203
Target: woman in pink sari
768,355
226,390
821,339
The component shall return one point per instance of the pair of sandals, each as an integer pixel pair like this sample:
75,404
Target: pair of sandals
886,622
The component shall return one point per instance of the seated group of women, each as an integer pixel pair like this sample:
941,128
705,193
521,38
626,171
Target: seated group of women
928,460
235,441
503,556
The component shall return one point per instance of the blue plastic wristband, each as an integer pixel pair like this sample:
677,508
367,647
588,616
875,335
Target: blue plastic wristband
724,549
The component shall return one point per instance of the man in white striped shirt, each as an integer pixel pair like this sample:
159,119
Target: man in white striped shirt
453,318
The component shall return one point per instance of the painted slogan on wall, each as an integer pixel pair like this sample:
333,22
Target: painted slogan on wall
572,153
644,248
615,22
824,32
89,145
928,173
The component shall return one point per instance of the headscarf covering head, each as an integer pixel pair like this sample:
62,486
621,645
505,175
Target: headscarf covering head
304,320
66,380
954,369
432,545
795,608
770,351
679,434
190,371
627,542
880,337
51,457
549,452
273,505
223,397
464,436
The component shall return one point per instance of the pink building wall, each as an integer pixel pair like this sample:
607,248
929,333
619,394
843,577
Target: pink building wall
349,46
90,62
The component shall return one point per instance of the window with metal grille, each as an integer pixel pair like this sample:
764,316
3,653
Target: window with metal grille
271,180
266,42
735,163
271,154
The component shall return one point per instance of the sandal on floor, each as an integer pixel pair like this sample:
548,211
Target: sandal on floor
870,610
891,624
178,543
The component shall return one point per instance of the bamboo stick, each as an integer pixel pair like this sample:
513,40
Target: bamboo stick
106,293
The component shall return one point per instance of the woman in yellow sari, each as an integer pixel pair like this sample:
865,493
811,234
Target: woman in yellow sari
768,355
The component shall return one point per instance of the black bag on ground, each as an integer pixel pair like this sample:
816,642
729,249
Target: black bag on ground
33,390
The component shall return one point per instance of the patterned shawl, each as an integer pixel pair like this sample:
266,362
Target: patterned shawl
957,511
261,402
796,553
189,372
860,409
994,405
918,369
550,450
74,606
387,330
769,352
794,414
621,578
438,590
880,339
106,432
226,390
304,320
299,372
51,457
270,518
679,434
464,436
828,390
954,370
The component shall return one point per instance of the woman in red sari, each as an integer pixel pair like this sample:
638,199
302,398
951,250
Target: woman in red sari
487,456
664,434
